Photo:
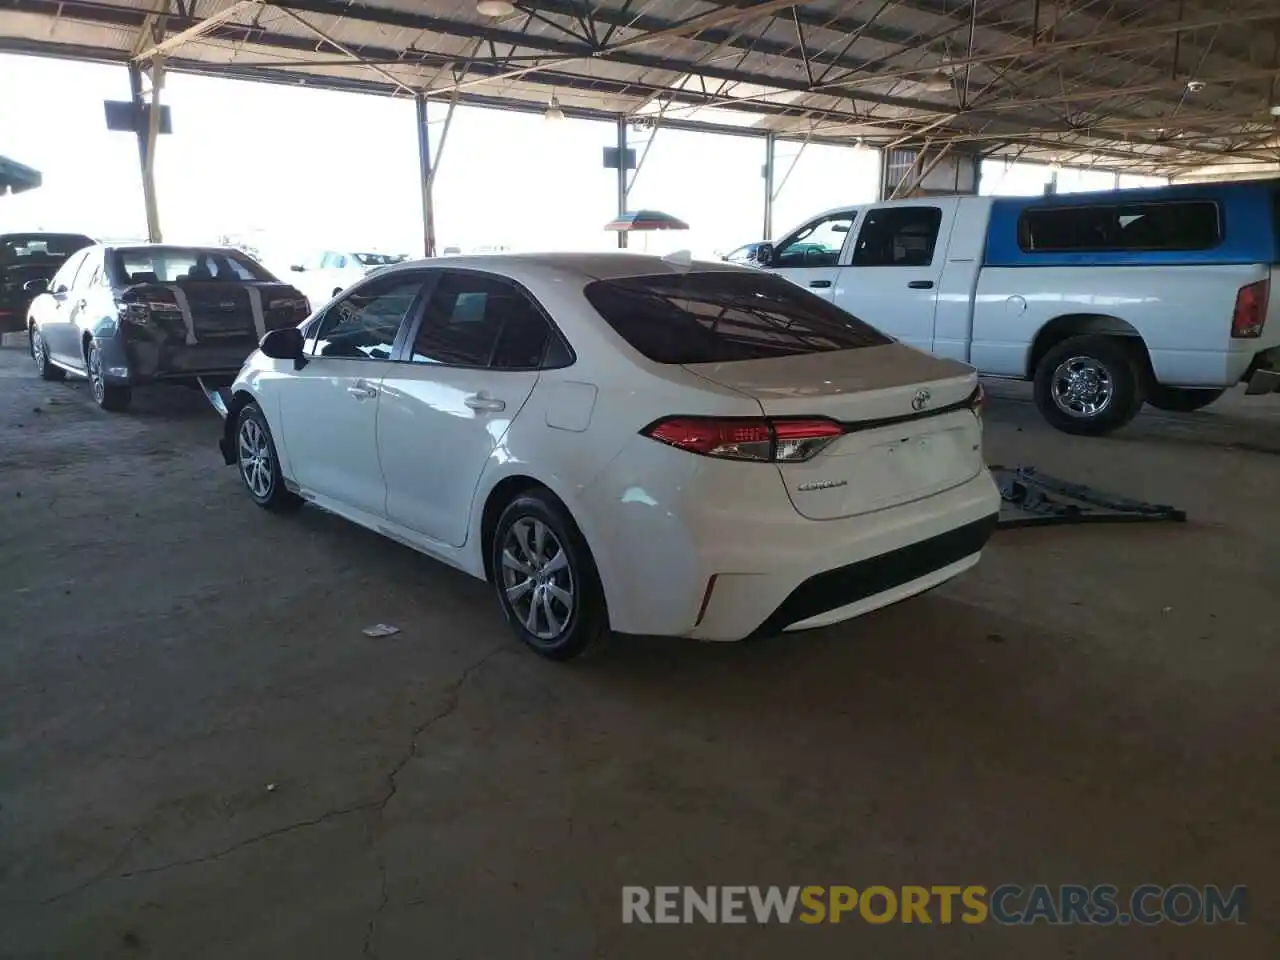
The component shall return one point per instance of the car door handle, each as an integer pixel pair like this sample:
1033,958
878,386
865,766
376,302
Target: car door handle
921,284
363,391
483,404
819,283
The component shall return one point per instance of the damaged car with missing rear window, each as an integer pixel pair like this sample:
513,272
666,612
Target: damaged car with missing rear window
131,315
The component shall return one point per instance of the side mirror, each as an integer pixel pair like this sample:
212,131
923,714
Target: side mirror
283,344
764,254
298,268
37,286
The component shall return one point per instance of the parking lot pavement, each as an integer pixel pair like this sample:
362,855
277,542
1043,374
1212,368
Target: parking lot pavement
201,755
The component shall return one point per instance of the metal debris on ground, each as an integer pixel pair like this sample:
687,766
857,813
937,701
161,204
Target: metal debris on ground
381,630
1034,499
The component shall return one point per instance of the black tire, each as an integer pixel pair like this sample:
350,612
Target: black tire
1093,356
108,397
1181,399
258,463
584,618
40,356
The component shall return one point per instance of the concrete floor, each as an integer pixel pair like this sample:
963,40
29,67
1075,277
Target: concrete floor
202,756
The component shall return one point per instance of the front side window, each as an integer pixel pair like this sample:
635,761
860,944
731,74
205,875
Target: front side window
364,323
721,316
817,244
1153,225
474,320
898,237
90,270
66,274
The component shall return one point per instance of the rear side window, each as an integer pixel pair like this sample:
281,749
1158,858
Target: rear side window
474,320
716,317
1161,225
898,237
1275,215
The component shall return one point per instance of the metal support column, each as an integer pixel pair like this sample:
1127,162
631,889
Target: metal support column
425,178
622,177
769,143
146,126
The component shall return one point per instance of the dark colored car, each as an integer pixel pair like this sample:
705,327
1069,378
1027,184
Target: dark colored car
25,257
129,315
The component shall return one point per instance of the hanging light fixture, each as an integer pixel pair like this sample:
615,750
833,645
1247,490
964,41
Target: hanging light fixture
553,114
937,82
495,8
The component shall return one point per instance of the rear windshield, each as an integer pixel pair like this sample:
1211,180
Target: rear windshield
172,264
40,247
715,317
379,259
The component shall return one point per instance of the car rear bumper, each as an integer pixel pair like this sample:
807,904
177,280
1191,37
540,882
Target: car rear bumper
837,570
714,550
139,362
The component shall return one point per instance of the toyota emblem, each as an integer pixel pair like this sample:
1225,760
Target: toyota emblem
921,399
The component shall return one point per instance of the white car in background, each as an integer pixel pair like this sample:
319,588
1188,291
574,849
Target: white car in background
327,273
626,442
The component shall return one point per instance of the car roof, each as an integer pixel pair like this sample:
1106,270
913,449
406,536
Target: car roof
584,266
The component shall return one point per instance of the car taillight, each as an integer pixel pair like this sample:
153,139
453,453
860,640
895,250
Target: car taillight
138,314
144,311
765,440
300,306
1251,310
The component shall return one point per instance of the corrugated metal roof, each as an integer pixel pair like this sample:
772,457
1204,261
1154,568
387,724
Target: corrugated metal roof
1096,82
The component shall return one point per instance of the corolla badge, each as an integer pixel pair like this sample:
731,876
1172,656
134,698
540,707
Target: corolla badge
921,399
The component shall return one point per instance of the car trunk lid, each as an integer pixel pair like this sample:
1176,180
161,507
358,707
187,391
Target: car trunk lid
221,311
909,430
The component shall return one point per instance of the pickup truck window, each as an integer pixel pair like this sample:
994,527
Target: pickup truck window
898,237
817,244
721,316
1153,225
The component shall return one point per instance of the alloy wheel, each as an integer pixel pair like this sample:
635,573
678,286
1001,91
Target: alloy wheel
1082,387
537,578
38,350
96,382
255,459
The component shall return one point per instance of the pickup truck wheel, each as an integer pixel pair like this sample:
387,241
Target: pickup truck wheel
1089,385
1181,399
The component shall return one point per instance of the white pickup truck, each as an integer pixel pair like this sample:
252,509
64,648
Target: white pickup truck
1105,301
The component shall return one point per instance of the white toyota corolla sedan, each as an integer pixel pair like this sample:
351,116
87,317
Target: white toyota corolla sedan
624,442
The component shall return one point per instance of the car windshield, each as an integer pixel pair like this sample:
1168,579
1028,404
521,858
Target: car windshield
719,316
380,259
176,264
44,247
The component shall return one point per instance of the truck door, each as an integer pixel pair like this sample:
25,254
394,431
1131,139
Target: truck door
896,269
810,256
